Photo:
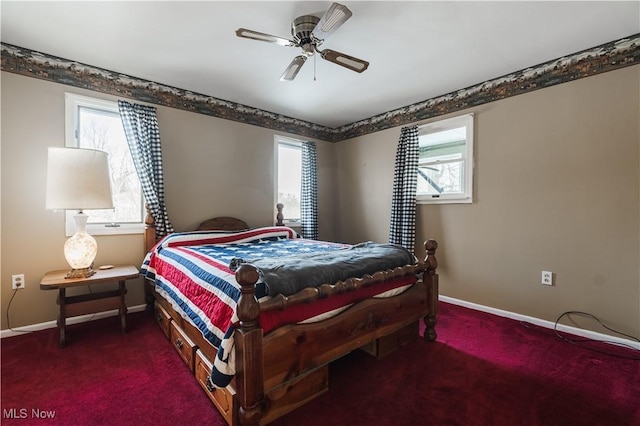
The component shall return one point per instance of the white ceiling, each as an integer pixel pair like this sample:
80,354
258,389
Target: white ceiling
417,50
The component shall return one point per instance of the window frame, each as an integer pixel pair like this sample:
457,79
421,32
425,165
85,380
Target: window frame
72,104
465,197
284,140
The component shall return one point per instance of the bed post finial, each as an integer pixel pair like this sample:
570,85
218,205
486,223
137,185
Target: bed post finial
248,346
431,261
280,215
430,278
248,307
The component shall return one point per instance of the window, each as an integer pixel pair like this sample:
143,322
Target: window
289,177
445,168
95,123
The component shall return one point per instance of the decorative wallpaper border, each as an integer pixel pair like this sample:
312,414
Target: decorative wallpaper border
607,57
23,61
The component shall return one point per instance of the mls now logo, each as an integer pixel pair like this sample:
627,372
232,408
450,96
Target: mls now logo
23,413
14,413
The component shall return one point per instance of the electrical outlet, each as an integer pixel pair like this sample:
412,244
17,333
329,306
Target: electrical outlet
17,281
547,278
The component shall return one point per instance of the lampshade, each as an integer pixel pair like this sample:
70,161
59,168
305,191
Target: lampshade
78,179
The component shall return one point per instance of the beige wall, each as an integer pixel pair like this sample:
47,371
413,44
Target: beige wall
213,167
556,188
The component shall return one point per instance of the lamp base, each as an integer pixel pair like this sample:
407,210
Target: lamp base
80,273
80,250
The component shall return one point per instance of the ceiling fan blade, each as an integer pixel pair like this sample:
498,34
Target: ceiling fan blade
255,35
331,21
354,64
293,68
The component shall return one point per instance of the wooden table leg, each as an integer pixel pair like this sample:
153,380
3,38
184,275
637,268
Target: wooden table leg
62,318
123,307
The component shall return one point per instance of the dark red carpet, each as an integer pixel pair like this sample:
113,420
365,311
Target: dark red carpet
483,370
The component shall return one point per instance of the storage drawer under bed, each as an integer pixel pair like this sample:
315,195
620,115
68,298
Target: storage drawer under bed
222,398
163,319
185,347
386,345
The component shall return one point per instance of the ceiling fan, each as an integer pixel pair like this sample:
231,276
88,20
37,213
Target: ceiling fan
309,32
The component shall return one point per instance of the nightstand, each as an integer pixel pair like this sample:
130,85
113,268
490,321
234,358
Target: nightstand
71,306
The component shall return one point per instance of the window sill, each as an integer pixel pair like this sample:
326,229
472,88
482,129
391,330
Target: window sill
292,223
444,201
124,229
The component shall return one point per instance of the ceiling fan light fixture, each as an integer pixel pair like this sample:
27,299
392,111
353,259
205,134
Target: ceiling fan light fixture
308,49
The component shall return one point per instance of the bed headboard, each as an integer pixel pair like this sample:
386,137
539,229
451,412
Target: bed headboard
222,223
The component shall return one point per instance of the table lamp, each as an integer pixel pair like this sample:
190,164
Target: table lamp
78,179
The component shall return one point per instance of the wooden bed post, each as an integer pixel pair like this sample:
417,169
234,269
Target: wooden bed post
280,215
149,229
430,278
248,346
149,242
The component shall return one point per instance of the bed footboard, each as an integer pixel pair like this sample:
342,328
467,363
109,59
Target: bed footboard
250,345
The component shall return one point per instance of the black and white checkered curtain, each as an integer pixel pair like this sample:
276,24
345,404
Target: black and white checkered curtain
405,183
143,136
309,192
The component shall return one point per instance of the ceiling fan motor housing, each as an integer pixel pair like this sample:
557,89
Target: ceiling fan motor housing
301,29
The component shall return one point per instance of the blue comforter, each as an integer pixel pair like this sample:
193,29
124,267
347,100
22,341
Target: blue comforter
288,275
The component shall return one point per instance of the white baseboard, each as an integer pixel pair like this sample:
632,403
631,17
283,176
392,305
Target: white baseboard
543,323
73,320
507,314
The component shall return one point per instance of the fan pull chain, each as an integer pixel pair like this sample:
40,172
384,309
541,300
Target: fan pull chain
314,67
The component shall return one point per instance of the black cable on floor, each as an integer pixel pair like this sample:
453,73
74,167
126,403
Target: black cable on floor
579,342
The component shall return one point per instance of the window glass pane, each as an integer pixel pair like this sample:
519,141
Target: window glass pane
441,164
445,164
102,130
443,137
290,179
451,149
442,178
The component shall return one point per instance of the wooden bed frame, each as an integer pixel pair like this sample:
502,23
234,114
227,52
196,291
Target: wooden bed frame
280,371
